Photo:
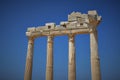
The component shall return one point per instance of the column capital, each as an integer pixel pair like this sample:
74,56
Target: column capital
93,30
50,39
31,40
71,37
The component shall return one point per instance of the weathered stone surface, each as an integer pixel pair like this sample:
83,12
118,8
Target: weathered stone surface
49,63
75,20
31,29
60,28
50,25
95,63
64,23
72,57
29,60
93,12
72,25
73,16
41,28
85,25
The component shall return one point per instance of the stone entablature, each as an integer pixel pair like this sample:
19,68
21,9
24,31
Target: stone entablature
76,20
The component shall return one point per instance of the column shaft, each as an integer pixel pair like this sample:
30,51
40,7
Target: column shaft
49,65
29,60
72,59
95,64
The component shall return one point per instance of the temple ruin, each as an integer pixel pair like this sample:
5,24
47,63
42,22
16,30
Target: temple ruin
77,23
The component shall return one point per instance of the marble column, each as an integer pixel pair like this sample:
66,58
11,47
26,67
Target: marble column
72,59
29,60
95,61
49,65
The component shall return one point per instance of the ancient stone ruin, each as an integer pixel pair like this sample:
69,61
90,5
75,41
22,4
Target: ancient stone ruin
77,23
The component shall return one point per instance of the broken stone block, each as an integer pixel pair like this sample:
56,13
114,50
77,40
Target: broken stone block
85,25
41,28
99,18
64,23
86,20
84,16
72,24
73,16
50,25
31,29
93,12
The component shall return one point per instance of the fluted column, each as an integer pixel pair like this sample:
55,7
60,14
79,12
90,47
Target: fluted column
49,65
95,61
72,59
29,60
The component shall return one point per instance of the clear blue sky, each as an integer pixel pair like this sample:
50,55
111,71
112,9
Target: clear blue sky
17,16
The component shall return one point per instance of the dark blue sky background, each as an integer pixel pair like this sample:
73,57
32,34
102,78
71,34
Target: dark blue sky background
17,16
